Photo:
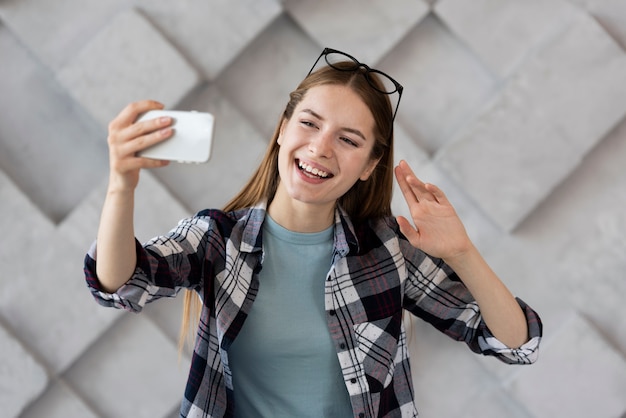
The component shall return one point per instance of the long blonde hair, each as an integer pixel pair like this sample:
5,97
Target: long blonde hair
365,200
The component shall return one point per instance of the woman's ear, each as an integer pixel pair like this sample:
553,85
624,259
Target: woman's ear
369,169
280,132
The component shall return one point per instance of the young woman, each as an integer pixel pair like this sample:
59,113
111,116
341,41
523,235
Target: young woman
305,275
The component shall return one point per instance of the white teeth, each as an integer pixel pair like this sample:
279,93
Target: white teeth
312,170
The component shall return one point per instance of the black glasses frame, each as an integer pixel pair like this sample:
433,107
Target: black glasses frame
366,74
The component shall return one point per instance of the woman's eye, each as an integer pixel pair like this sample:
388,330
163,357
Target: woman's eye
307,123
348,141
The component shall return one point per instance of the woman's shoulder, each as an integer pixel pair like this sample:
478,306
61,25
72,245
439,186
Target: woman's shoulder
373,233
222,216
387,231
386,225
238,224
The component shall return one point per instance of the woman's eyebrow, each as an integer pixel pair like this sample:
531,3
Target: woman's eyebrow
351,130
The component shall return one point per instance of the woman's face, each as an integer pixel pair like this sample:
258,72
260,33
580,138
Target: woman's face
326,146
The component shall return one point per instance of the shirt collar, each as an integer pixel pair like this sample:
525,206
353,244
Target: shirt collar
345,237
252,225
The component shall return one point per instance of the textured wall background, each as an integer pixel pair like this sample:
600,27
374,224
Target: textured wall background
514,107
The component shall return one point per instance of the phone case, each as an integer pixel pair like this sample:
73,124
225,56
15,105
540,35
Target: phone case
192,140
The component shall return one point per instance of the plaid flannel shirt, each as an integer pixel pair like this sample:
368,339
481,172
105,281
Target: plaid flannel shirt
375,275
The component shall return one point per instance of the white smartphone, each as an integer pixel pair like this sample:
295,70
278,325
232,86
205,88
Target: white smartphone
192,140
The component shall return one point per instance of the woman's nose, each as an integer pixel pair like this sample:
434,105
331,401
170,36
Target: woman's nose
321,145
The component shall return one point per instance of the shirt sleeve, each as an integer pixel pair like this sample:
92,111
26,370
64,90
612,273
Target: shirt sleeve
525,354
433,292
165,265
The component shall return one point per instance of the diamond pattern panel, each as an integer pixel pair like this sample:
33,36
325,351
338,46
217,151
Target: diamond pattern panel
127,385
59,401
373,29
282,51
542,123
598,385
23,378
520,27
133,56
211,34
514,108
54,31
48,146
445,83
57,331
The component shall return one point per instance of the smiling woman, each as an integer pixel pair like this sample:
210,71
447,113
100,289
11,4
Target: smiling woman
332,132
304,276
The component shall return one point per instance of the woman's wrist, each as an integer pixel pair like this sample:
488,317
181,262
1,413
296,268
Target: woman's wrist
119,185
464,256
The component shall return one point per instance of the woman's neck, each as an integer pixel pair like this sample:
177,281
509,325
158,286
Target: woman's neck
301,217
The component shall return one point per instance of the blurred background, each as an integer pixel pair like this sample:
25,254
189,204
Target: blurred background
514,107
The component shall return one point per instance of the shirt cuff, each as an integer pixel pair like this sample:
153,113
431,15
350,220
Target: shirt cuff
528,352
113,300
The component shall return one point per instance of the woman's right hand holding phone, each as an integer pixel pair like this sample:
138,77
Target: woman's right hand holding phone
126,138
116,257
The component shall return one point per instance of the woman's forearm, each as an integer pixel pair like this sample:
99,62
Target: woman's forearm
498,306
116,257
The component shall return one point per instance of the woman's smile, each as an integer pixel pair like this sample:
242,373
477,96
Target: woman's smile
313,171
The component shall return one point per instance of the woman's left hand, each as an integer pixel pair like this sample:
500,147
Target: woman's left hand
436,229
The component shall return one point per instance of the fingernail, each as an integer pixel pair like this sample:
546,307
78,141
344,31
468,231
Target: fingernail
164,119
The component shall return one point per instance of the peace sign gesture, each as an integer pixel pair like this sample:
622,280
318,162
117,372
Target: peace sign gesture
436,229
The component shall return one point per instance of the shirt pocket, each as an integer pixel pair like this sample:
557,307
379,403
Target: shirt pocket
376,350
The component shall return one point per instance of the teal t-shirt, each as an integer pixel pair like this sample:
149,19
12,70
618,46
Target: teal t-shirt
283,360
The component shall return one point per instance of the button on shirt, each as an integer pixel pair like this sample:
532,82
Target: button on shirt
375,275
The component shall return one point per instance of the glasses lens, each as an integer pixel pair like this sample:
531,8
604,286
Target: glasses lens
377,79
341,62
381,82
